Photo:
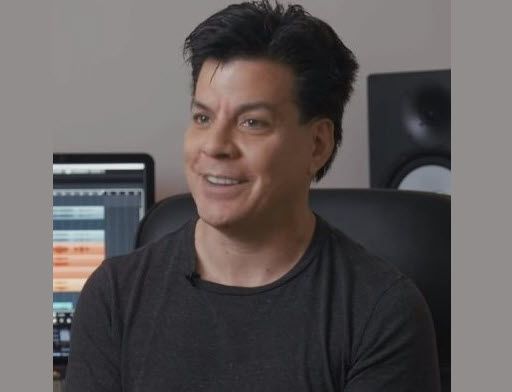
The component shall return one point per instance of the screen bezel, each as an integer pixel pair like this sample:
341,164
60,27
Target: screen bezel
146,159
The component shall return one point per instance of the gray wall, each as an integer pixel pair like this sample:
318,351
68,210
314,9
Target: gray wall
123,85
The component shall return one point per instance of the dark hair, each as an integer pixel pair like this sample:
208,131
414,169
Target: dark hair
324,67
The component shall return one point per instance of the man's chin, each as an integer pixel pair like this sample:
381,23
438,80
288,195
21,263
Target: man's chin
217,215
216,220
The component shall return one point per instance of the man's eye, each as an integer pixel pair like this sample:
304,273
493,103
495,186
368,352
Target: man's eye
254,124
201,119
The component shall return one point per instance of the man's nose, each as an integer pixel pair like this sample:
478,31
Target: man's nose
219,141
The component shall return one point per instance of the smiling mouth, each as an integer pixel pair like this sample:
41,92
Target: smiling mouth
222,180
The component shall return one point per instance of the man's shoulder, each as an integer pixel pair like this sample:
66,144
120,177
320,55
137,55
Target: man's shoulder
367,274
353,255
367,283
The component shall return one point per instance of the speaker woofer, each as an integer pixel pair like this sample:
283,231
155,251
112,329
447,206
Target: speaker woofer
427,115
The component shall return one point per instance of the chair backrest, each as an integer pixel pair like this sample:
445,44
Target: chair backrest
410,229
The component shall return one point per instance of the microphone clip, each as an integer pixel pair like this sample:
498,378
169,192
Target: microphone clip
192,278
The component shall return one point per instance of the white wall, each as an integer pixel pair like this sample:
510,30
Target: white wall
123,85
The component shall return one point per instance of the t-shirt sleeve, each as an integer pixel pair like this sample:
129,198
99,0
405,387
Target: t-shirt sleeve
95,345
397,350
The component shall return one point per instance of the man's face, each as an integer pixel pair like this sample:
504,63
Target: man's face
248,158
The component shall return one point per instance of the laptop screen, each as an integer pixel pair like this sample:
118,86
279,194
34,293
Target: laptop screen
98,201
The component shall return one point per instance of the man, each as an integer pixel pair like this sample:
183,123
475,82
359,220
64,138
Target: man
258,294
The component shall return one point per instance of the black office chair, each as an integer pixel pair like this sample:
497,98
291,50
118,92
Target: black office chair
412,230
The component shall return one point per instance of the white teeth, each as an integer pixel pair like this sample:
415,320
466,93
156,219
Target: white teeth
221,180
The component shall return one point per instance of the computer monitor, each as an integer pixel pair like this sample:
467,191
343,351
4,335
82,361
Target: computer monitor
98,201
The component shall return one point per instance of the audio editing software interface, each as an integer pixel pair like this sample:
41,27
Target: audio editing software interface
96,211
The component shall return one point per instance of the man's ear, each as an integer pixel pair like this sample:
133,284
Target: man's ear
322,131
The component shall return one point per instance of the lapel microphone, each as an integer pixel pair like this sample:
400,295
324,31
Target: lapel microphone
192,278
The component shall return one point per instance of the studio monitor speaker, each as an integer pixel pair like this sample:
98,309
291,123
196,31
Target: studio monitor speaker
409,130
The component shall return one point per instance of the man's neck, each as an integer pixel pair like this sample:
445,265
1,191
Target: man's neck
252,259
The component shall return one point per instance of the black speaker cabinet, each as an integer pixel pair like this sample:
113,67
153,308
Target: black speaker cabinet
409,130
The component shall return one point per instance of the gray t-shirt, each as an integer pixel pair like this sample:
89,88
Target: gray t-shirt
339,320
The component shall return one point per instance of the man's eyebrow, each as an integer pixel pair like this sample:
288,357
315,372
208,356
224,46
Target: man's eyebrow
254,106
199,105
240,109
